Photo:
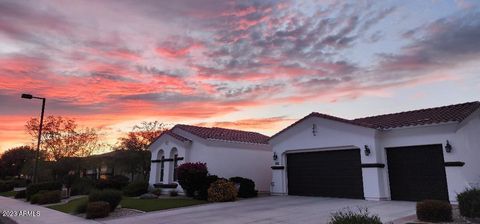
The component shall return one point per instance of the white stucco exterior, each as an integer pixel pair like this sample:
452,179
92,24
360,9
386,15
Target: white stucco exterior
223,158
337,135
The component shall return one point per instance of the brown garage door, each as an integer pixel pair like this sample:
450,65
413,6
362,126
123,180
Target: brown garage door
417,173
327,173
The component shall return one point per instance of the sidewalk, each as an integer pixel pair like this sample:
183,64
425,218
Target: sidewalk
45,215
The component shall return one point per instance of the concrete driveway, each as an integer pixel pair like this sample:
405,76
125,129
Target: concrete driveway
275,209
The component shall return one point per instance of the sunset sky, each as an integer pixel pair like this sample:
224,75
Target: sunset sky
250,65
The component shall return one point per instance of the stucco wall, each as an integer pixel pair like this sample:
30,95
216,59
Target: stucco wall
224,159
330,135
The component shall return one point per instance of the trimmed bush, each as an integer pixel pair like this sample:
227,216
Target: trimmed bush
469,203
202,192
116,182
434,211
44,186
247,187
348,216
173,193
191,176
113,197
136,189
6,186
20,194
221,191
82,186
82,208
98,209
46,197
156,191
50,197
148,196
21,182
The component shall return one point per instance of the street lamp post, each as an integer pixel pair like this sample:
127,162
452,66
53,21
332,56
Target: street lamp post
37,153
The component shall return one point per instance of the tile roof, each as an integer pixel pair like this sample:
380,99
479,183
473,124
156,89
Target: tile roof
436,115
451,113
225,134
177,136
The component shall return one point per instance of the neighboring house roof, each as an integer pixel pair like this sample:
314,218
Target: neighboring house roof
451,113
224,134
436,115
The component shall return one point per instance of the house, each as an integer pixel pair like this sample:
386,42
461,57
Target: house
422,154
226,152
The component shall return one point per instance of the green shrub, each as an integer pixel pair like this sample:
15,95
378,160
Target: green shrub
21,182
82,186
98,209
221,191
50,197
36,197
20,194
136,189
116,182
173,193
348,216
247,187
469,203
191,176
113,197
45,186
156,191
6,186
82,208
46,197
202,191
434,211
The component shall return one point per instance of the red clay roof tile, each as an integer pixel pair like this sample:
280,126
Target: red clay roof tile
225,134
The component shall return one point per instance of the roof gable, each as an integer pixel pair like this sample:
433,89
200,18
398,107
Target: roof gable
215,133
437,115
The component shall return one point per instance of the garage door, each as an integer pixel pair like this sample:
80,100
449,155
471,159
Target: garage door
417,173
327,173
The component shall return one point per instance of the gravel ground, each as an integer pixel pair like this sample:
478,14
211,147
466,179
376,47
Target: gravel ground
119,212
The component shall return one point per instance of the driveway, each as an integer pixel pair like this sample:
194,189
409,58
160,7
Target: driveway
275,209
42,215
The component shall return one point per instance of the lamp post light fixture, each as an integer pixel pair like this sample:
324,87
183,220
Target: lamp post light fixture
367,150
37,152
448,147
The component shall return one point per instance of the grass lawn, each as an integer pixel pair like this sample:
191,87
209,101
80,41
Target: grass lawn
8,194
148,205
70,206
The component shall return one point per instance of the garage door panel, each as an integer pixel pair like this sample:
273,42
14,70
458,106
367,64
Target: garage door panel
326,173
417,173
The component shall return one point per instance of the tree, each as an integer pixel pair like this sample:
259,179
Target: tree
13,160
61,137
134,154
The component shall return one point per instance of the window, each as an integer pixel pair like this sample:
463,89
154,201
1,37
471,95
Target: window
175,165
162,168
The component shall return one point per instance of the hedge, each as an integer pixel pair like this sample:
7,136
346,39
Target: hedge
45,186
98,209
113,197
469,203
136,189
434,211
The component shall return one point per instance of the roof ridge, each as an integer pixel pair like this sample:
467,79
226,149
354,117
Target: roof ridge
417,110
229,129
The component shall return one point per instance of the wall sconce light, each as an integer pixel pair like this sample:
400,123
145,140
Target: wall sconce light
275,157
448,147
367,150
314,129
